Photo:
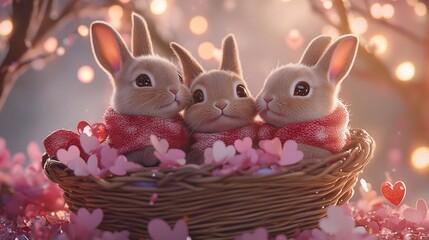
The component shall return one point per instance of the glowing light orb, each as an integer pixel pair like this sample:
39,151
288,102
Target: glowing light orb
6,27
388,11
158,7
38,64
115,12
420,158
85,74
198,25
83,30
330,31
379,44
420,9
405,71
50,45
294,39
376,11
327,4
205,50
358,25
61,51
124,1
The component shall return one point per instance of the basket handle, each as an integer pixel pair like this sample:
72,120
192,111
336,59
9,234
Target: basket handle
54,169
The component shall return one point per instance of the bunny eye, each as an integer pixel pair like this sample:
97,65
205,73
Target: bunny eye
301,89
180,77
241,91
143,80
198,96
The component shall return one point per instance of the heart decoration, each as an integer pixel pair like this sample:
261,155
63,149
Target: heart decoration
160,145
290,154
221,151
418,214
244,145
394,193
159,230
273,146
97,129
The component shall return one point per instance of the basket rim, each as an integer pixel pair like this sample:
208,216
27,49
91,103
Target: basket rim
359,151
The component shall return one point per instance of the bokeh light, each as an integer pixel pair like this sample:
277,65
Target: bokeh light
376,11
420,158
358,25
85,74
124,1
388,11
294,39
330,31
198,25
115,12
61,51
83,30
378,44
405,71
6,27
50,45
205,50
420,9
327,4
38,64
158,7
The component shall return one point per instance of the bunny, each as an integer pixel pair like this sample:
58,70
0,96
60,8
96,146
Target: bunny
223,108
148,92
300,101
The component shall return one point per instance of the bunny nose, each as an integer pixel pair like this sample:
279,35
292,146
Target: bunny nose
268,99
174,91
221,106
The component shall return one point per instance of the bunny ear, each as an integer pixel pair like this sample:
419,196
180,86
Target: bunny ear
109,49
141,42
230,58
315,50
337,61
191,68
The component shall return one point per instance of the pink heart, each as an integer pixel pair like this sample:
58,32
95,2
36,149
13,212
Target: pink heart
273,146
244,145
258,234
418,214
65,156
160,230
89,144
222,152
89,220
290,154
160,145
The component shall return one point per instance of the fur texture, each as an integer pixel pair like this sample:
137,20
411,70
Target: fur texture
144,84
323,69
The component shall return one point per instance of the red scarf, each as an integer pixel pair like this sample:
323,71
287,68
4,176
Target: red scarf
128,132
201,141
331,132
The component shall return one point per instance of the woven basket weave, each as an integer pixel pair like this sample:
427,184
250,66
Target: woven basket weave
217,207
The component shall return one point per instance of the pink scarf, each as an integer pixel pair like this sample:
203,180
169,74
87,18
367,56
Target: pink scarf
331,132
128,133
201,141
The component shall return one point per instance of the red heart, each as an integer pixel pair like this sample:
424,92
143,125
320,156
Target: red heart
394,193
96,129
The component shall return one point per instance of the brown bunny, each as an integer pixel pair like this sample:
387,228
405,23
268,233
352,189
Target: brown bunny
148,92
223,108
300,101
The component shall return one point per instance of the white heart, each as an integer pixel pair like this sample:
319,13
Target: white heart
221,151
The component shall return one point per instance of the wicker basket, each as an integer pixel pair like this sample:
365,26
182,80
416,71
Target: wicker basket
220,207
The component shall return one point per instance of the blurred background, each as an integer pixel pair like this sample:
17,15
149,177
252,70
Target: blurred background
50,80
